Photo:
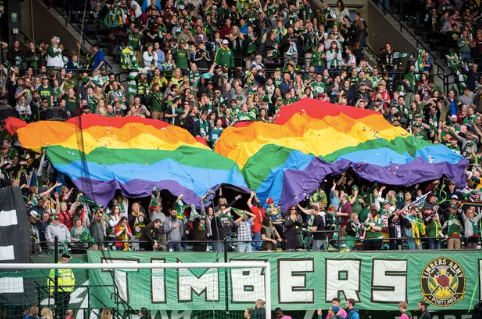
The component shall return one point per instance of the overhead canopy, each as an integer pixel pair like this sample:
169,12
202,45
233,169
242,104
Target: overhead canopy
312,139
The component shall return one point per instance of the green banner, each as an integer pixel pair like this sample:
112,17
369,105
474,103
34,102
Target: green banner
299,281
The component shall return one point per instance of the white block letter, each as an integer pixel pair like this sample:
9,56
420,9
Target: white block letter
292,280
342,275
247,284
158,282
389,281
120,277
207,283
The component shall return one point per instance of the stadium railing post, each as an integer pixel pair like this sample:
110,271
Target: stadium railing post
56,261
267,285
226,294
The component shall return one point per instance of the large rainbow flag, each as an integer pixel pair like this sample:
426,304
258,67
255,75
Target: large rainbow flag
312,139
101,155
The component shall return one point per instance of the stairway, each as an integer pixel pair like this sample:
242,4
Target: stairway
420,38
73,21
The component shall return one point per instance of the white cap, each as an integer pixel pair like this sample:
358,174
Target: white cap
225,41
33,214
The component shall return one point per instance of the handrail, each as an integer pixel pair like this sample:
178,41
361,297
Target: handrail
418,42
67,22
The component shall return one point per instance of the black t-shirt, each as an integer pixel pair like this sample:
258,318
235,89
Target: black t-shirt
320,223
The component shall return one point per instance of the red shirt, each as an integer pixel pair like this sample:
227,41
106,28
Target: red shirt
258,221
65,219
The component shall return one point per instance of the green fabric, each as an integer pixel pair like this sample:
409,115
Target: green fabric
184,155
71,105
182,56
279,154
157,104
46,92
224,57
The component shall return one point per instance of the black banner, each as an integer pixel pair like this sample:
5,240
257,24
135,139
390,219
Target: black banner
15,247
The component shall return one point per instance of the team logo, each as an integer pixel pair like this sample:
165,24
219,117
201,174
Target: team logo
443,282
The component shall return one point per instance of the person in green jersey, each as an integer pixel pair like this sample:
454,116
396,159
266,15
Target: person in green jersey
71,103
373,226
181,56
155,101
46,91
224,56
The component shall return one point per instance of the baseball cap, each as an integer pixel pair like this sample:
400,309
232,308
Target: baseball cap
225,41
33,214
270,200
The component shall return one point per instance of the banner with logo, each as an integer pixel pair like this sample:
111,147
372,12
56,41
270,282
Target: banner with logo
448,280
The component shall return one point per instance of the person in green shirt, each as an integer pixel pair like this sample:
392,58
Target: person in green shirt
46,91
244,114
224,56
134,38
354,199
373,226
318,58
71,104
181,56
155,100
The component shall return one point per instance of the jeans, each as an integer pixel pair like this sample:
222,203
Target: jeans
318,244
411,244
433,243
244,247
218,246
174,246
258,242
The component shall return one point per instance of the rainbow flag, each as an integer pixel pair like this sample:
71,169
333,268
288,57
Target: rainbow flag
312,139
101,155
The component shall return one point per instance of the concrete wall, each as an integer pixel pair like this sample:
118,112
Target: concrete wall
381,32
363,11
46,25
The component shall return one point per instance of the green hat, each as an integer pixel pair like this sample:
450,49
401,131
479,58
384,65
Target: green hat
454,207
239,98
149,45
265,99
55,217
354,188
182,41
277,69
207,76
418,115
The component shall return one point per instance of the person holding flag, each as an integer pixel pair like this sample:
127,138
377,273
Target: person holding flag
259,212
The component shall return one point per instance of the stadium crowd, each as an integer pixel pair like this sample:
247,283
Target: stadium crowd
206,67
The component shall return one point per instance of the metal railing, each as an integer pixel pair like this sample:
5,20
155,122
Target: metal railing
333,239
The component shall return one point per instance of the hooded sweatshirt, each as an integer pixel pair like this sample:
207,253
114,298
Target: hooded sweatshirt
352,314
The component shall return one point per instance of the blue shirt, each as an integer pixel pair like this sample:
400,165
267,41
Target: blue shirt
99,57
334,201
453,108
161,58
243,29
